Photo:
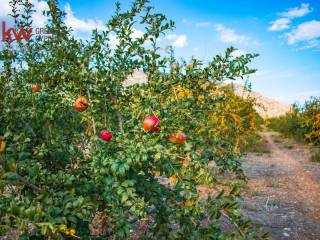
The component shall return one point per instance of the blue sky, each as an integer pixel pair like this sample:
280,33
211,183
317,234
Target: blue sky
285,33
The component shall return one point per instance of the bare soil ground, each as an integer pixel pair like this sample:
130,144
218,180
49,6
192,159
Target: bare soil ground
284,190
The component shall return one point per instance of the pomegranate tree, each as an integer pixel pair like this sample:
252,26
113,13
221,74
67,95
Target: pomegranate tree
58,178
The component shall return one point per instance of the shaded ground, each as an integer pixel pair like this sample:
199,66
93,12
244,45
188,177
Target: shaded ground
284,190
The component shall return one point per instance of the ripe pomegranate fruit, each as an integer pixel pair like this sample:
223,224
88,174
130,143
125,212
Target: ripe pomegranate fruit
105,135
81,104
178,137
151,123
36,87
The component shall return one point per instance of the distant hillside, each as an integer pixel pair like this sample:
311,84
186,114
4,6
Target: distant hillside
136,77
266,107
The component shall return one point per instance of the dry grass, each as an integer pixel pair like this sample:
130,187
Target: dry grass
316,156
256,145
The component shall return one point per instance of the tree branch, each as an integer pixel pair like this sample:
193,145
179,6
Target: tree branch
22,179
233,223
27,183
119,117
91,108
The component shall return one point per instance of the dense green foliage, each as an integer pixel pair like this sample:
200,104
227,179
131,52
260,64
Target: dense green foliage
57,175
302,123
239,123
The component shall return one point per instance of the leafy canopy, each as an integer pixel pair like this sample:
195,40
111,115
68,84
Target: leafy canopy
58,178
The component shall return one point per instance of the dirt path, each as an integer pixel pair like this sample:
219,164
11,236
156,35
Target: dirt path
284,190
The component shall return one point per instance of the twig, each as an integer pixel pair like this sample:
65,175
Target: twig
27,183
234,224
177,174
92,118
153,112
175,93
133,220
189,116
105,109
267,204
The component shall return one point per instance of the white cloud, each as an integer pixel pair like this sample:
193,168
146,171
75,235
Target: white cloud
83,26
284,21
238,53
80,25
229,35
280,24
301,11
307,31
113,41
86,26
39,20
178,41
203,24
5,8
314,43
184,20
137,33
